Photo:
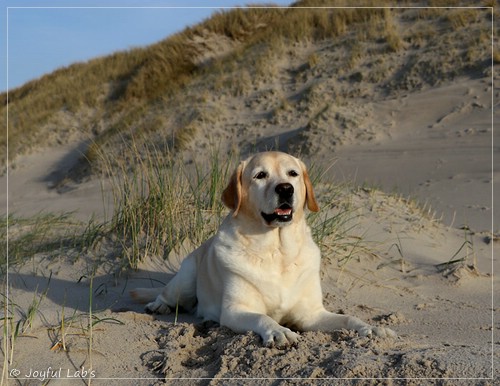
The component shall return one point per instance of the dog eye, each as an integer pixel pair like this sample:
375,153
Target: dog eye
260,175
293,173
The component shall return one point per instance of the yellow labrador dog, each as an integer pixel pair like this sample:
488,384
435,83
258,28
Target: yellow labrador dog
260,271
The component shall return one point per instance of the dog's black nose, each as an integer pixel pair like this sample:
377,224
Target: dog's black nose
284,190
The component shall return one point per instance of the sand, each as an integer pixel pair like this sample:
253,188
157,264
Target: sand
441,155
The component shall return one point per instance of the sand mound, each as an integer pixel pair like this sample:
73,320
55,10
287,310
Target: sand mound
204,351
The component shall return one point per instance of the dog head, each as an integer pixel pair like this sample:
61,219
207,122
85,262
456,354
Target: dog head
271,187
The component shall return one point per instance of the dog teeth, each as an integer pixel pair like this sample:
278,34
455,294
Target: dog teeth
283,212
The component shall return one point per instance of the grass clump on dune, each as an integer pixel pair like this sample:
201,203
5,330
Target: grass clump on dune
161,203
46,233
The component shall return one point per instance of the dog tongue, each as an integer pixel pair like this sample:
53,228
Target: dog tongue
283,212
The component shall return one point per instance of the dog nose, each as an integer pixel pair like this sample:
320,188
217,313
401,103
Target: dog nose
284,190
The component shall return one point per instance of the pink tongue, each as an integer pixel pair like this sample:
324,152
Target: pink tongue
283,212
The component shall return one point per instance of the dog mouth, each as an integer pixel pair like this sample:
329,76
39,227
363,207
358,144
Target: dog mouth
283,213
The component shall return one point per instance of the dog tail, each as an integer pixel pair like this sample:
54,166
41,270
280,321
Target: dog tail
145,295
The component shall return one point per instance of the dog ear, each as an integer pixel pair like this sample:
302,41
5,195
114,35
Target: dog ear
231,196
311,202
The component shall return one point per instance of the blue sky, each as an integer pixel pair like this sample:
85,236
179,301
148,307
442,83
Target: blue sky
39,36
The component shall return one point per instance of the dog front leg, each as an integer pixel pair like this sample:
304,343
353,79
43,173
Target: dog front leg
329,321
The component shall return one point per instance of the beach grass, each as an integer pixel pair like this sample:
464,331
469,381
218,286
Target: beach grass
160,202
46,233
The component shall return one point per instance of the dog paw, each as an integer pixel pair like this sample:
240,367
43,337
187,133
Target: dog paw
280,338
365,330
157,307
371,331
384,332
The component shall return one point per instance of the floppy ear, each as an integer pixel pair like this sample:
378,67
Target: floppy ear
312,205
231,196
